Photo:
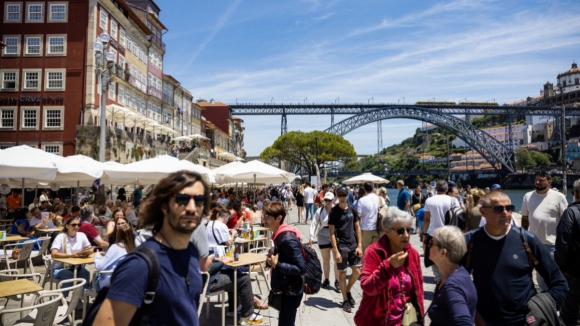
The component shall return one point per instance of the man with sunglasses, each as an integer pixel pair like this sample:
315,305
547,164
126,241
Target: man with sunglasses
344,224
541,212
368,207
501,271
174,211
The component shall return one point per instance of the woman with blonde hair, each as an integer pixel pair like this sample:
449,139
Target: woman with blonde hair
300,202
473,213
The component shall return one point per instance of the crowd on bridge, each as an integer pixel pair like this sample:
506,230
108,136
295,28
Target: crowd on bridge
482,258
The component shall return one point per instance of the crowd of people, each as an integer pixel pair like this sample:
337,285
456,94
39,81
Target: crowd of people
483,270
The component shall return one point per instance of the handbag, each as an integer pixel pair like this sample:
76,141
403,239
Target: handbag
16,253
410,314
275,300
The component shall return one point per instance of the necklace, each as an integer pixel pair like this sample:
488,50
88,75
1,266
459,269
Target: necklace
187,266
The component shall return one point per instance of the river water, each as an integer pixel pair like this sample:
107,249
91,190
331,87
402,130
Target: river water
516,195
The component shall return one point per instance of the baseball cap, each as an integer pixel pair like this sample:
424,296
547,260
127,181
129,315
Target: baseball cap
342,190
329,196
451,184
495,186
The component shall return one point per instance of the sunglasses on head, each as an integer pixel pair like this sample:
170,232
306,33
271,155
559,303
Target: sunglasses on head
183,199
498,209
401,231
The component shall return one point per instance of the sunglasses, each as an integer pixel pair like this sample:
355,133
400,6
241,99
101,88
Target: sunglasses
401,231
266,216
342,195
498,209
75,225
183,200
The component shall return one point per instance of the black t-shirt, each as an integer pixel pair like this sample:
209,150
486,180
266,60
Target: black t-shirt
417,199
343,221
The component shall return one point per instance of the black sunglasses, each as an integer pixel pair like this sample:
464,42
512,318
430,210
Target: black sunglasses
74,224
432,243
498,209
183,200
401,231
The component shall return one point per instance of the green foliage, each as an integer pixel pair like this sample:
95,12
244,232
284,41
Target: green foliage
307,149
542,160
524,160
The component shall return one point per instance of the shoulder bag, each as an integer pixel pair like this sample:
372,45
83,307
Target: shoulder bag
411,313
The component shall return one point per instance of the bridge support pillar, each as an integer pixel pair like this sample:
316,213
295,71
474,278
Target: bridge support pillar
284,124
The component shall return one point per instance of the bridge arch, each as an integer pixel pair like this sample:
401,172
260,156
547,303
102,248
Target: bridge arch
496,153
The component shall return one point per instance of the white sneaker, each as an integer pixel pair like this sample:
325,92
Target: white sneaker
254,319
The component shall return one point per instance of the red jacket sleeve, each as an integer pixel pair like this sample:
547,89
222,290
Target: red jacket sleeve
376,273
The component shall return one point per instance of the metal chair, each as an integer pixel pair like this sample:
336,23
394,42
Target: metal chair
14,274
92,292
260,250
69,303
45,306
25,251
207,298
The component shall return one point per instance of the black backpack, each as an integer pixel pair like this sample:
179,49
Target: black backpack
141,316
455,216
313,276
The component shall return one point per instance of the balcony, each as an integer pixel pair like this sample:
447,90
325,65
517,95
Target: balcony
158,42
168,99
155,92
135,82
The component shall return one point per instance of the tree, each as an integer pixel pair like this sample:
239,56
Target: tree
307,149
524,159
542,160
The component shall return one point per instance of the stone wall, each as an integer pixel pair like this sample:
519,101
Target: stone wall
122,146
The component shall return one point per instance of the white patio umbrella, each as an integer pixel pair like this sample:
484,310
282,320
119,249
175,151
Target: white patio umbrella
224,168
198,137
182,138
151,171
364,178
255,172
27,162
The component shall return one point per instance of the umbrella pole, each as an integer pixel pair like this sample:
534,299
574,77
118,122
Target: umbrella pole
76,196
23,192
255,188
35,192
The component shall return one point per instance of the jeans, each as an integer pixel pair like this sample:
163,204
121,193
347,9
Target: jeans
541,283
67,274
290,305
309,210
571,306
225,281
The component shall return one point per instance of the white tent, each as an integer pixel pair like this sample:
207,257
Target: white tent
151,171
230,166
255,172
27,162
364,178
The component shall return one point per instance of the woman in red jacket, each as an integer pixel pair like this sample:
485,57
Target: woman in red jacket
391,276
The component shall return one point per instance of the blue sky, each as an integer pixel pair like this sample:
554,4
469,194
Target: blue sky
254,51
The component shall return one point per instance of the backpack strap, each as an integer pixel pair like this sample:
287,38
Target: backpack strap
153,278
533,261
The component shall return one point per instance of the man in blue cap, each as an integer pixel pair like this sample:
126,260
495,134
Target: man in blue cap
495,187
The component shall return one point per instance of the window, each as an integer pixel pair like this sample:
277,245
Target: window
9,80
12,10
129,43
114,28
33,45
112,91
127,99
104,22
7,118
29,118
31,80
56,45
122,62
57,12
53,117
35,13
115,53
121,95
122,37
12,45
53,148
55,79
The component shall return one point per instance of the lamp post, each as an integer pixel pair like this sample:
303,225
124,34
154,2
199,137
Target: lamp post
104,64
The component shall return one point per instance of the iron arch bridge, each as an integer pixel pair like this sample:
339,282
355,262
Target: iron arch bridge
496,153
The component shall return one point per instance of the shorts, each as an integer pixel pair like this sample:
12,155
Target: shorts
325,246
349,258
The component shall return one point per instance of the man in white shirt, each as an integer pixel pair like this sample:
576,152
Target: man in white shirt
44,196
541,212
368,208
309,194
41,221
435,209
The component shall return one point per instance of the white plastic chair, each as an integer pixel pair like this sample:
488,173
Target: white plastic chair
43,243
68,304
26,250
260,250
207,298
92,292
45,306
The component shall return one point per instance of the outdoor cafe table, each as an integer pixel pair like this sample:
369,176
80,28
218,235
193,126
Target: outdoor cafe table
10,238
245,260
242,242
22,286
49,230
72,261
